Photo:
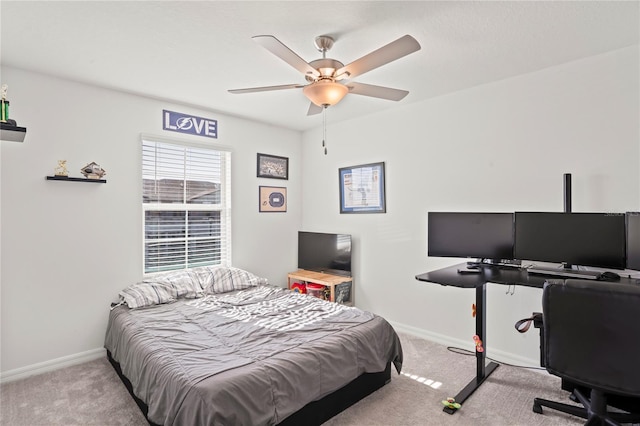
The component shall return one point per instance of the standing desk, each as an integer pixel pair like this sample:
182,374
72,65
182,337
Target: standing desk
487,273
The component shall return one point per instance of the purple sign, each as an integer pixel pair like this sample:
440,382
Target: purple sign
190,124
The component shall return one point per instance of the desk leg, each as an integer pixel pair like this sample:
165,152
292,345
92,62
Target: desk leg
482,370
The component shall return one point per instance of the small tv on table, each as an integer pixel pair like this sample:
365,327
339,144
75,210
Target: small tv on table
325,252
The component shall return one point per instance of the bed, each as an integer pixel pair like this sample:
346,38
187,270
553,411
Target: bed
220,346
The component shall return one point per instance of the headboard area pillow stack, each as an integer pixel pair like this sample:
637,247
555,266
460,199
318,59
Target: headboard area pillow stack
193,283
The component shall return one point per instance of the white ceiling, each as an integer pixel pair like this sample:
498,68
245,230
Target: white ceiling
192,52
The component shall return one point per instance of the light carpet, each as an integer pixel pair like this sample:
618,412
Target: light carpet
92,394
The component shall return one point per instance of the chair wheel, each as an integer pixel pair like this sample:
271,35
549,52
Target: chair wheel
537,408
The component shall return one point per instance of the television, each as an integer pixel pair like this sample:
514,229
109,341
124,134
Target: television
633,240
470,235
323,252
581,239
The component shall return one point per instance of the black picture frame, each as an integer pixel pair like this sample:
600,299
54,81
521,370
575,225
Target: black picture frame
272,166
272,199
362,188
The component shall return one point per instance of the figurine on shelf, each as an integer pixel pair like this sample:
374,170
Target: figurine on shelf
4,111
93,171
61,169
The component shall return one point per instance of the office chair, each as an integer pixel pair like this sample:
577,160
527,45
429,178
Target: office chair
592,340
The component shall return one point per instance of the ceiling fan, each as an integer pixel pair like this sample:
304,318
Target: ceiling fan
328,78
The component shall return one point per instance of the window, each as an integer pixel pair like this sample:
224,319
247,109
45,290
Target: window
186,206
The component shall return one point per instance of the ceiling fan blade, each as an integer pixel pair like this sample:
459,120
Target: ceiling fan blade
377,91
314,109
276,47
266,88
392,51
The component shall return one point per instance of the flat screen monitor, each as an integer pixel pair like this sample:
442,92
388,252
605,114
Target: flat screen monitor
322,252
633,240
583,239
470,235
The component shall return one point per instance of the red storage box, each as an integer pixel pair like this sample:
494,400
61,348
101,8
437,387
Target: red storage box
315,290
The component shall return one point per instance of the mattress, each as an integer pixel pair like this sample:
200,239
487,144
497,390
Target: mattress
246,357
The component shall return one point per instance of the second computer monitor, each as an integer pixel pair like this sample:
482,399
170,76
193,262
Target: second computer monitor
586,239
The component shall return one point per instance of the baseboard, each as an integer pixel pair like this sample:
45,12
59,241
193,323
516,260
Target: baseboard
442,339
498,355
54,364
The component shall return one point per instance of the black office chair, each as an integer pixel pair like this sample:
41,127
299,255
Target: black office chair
592,341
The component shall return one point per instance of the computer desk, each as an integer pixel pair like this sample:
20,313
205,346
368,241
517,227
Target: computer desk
508,275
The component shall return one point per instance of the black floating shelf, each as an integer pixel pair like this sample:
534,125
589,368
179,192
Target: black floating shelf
75,179
12,133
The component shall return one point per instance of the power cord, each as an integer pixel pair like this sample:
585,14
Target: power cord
466,352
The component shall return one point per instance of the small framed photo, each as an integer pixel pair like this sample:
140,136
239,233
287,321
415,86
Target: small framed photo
362,189
272,199
272,166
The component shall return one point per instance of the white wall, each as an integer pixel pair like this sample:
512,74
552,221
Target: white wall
498,147
68,248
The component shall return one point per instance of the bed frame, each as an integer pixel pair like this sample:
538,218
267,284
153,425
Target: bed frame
315,412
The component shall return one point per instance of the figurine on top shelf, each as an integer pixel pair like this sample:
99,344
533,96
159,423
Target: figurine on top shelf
4,106
93,171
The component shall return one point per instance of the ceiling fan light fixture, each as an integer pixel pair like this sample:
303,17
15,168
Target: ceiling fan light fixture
326,72
325,92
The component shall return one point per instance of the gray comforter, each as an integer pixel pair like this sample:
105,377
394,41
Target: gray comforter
249,357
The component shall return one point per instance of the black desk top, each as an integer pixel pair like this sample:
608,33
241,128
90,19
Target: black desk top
495,274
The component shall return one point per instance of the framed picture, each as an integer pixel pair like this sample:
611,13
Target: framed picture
272,199
272,166
362,189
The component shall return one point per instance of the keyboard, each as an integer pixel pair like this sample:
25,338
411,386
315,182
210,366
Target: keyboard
569,273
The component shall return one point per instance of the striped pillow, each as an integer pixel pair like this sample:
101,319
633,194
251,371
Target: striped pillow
228,279
145,294
187,283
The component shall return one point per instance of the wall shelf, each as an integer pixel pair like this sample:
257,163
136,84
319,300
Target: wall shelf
75,179
12,133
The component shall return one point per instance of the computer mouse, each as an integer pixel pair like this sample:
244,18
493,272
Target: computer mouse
609,276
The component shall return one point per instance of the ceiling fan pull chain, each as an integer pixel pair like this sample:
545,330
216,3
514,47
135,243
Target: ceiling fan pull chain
324,129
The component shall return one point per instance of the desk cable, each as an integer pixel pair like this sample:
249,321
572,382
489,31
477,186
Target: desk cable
522,326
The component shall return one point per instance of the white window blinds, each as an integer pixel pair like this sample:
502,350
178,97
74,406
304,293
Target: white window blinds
186,206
